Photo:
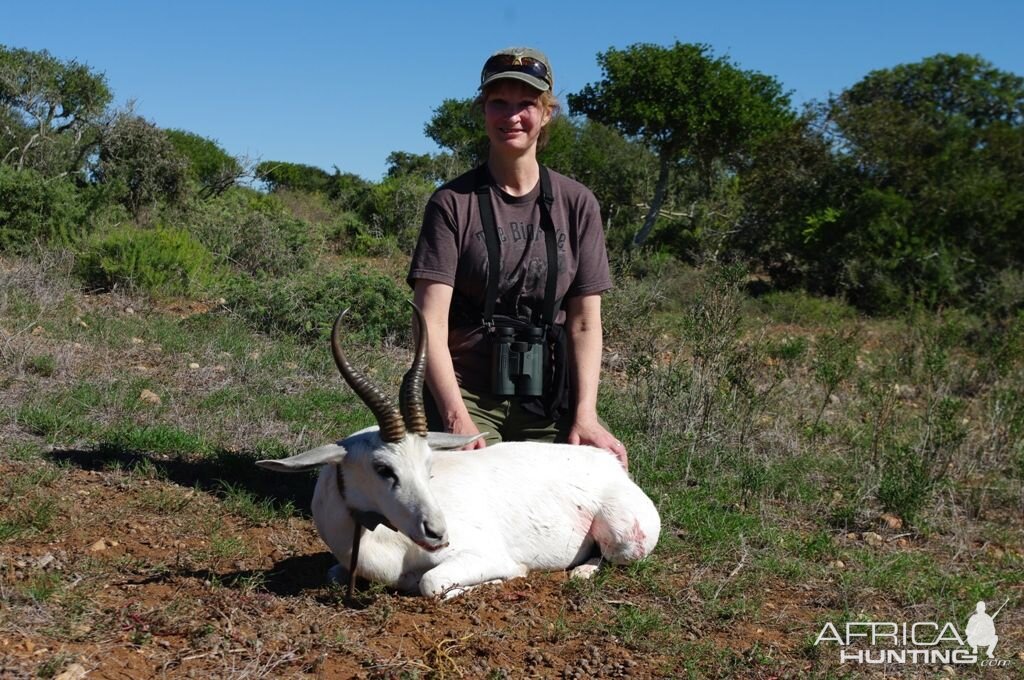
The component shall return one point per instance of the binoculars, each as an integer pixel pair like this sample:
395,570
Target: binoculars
517,361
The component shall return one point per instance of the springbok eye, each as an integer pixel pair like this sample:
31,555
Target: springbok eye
386,472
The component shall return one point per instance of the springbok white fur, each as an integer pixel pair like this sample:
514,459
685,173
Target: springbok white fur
468,517
452,520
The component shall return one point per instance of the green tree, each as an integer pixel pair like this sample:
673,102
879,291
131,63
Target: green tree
691,109
936,149
138,164
210,166
620,172
423,165
297,176
458,126
794,188
35,209
54,106
349,190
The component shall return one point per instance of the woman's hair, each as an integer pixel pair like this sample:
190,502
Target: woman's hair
547,100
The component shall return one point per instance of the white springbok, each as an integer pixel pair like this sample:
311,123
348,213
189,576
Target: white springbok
442,521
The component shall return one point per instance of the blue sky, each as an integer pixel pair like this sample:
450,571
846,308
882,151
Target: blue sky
345,83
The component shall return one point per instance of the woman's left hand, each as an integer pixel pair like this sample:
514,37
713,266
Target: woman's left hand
593,434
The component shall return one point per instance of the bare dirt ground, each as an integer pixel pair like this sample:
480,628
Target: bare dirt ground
159,582
143,574
121,563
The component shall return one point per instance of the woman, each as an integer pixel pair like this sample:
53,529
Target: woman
531,222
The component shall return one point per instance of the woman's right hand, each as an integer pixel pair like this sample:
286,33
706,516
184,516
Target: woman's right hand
465,425
434,299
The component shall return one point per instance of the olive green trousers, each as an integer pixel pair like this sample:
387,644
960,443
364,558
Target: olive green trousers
501,419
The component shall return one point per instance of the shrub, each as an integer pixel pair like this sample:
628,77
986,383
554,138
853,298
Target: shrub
282,175
33,208
354,237
160,261
139,164
252,232
210,166
800,307
906,484
306,305
395,207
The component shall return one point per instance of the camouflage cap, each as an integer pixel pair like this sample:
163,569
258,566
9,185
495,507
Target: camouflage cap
518,63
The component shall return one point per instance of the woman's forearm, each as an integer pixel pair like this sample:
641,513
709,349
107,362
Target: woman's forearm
434,300
583,326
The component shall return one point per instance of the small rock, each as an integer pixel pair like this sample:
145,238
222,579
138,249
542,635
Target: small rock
905,391
892,521
150,397
98,546
75,671
873,539
137,341
129,311
193,365
837,564
852,536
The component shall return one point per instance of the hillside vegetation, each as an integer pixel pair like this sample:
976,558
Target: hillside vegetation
815,356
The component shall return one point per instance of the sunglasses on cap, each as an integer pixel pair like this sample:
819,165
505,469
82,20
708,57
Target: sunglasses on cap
503,63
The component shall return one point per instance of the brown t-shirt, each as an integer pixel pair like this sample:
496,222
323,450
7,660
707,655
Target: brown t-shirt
452,250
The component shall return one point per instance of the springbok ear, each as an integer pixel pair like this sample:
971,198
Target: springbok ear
442,441
323,455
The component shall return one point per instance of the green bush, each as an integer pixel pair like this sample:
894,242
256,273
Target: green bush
210,166
160,261
906,484
33,209
395,208
305,305
353,237
800,307
252,232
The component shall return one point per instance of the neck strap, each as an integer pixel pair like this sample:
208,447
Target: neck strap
490,226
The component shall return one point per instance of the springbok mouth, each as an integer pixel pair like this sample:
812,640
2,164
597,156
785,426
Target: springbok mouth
431,547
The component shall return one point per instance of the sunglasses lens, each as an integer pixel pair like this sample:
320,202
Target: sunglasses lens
501,63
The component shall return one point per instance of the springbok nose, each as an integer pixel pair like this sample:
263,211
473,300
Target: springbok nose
430,533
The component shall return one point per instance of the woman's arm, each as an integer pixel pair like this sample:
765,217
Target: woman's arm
583,326
434,299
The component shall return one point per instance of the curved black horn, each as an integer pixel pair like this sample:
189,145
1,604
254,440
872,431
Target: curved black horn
410,399
392,429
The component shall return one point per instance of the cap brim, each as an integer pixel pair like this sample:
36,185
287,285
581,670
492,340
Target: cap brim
532,81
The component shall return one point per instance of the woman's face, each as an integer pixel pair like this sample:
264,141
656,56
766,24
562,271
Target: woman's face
514,116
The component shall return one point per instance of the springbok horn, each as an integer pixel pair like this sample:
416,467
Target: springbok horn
410,399
392,429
